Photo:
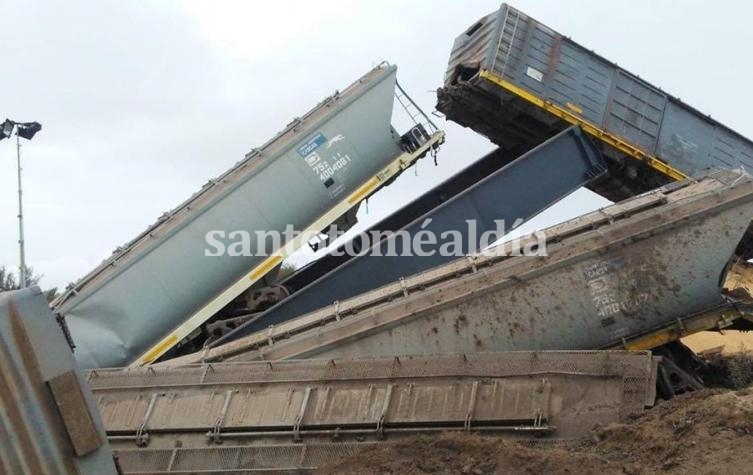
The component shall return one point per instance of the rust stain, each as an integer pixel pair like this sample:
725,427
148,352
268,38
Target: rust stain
460,323
477,341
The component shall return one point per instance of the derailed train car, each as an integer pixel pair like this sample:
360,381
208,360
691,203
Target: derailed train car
645,267
517,81
159,289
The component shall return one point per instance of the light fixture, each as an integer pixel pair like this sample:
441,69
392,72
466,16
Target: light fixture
6,129
27,130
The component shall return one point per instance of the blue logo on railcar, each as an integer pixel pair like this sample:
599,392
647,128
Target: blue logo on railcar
312,144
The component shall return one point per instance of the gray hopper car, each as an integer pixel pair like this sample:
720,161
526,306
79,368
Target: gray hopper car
160,288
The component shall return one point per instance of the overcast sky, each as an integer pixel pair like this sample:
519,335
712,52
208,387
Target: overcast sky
142,102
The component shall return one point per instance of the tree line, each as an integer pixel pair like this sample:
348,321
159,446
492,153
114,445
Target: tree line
9,281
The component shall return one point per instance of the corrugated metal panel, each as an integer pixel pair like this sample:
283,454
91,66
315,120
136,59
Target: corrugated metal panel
326,404
531,58
609,276
48,418
635,111
564,394
544,62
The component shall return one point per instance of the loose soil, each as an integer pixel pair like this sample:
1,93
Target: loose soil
706,432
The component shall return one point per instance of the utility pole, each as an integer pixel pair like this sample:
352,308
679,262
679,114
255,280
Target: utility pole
22,251
25,130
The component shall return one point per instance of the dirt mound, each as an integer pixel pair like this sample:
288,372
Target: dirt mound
459,453
709,431
703,432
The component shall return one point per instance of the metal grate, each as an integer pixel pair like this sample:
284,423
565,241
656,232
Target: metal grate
516,393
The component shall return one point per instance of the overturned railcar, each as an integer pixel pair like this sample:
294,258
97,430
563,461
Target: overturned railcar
639,271
158,290
516,81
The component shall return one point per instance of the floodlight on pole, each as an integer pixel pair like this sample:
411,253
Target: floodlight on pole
25,130
6,130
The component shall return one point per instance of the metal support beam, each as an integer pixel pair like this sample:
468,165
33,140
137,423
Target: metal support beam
519,190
